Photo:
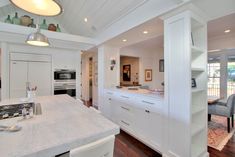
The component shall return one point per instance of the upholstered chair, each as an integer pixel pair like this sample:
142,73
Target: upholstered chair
225,109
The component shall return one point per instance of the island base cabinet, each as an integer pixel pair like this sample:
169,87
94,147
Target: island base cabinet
138,116
149,128
105,107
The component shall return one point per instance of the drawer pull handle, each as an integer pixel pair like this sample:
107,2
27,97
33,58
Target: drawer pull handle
110,99
124,97
147,111
110,93
148,102
125,108
125,123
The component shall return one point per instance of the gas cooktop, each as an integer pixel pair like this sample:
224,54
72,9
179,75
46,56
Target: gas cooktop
10,111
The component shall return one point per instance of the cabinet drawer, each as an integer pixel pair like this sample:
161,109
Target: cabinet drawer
125,124
124,98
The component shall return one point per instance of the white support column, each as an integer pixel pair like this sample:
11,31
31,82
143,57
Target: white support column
4,71
185,131
107,78
78,75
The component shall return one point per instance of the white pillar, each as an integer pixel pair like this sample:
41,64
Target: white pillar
4,71
78,75
107,78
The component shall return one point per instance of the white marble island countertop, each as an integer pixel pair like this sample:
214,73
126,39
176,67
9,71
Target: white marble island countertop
64,124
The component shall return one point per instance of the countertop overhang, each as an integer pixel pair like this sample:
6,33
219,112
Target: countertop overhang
64,125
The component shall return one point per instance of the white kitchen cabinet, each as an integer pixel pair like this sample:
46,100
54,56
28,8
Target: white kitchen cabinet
35,69
139,115
64,61
149,127
39,74
18,79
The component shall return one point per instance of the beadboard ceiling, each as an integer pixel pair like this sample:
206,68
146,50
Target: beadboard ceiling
101,14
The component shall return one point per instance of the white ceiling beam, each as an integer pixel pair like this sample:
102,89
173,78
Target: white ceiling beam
4,3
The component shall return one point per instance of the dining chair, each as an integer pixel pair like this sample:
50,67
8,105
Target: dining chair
225,109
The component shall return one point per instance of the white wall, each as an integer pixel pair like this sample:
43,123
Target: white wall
148,59
61,58
222,42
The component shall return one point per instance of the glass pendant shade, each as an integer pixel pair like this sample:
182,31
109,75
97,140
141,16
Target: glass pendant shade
39,7
37,39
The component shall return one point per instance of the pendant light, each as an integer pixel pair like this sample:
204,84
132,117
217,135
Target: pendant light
37,38
39,7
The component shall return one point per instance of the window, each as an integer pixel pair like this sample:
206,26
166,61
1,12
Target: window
214,77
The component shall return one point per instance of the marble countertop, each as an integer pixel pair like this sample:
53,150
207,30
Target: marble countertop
141,92
64,124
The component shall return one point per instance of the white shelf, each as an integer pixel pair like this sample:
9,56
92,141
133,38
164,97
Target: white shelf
197,109
197,69
17,29
196,51
195,90
197,150
197,128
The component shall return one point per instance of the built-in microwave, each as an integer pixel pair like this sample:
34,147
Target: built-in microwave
64,74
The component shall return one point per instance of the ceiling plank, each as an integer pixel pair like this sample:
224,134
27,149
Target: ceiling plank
4,3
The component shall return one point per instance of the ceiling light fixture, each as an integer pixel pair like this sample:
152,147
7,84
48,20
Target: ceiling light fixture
124,40
227,31
39,7
37,39
145,32
85,19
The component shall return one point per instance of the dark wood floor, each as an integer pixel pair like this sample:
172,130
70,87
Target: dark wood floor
228,150
127,146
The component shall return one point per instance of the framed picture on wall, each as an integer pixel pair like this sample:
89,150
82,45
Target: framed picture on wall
161,65
126,74
148,74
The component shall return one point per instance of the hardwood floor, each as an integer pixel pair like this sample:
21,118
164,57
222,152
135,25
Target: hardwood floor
127,146
228,150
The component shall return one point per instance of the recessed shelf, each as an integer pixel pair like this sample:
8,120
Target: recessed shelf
196,51
197,69
195,24
194,90
197,128
197,150
197,109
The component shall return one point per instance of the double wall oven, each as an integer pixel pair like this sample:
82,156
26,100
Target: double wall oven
65,82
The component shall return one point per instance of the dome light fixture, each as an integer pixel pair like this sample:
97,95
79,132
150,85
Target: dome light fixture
39,7
37,39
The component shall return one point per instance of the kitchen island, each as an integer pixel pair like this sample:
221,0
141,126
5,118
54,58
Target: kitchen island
65,124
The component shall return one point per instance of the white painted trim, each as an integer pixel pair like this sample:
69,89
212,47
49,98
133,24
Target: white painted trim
10,28
141,14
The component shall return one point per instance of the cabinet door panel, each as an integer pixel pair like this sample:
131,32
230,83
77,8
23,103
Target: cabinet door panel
18,79
105,106
39,74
